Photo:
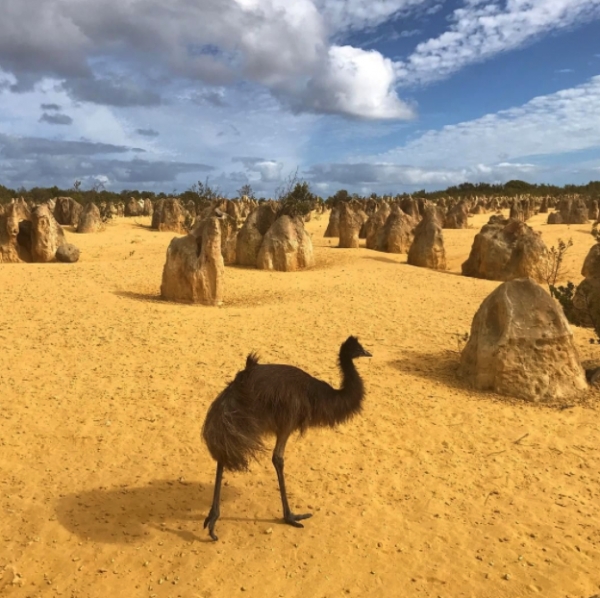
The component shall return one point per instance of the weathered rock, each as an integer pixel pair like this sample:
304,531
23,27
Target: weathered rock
505,250
67,253
521,345
593,210
194,270
410,206
11,251
457,216
90,220
148,209
286,247
190,206
363,217
396,235
67,211
516,213
591,264
586,304
573,211
586,301
375,223
228,232
46,235
169,215
350,224
250,236
333,227
133,208
478,208
555,218
544,206
427,249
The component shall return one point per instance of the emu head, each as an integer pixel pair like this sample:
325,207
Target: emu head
353,349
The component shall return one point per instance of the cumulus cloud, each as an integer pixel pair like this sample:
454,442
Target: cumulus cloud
269,170
51,107
282,45
358,83
480,30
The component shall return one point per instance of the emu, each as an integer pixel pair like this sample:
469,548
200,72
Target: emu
276,399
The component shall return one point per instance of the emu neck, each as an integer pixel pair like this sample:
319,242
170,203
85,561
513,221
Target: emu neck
344,402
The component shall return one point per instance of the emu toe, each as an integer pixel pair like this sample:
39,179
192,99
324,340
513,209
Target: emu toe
210,522
294,520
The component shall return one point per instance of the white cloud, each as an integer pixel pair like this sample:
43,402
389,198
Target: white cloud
357,83
268,171
344,15
480,30
513,143
280,44
565,121
385,176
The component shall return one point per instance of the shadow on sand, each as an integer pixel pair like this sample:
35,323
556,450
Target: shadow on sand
443,368
128,514
382,258
388,260
125,515
145,297
439,366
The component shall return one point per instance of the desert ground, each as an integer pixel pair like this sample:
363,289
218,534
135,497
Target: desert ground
434,491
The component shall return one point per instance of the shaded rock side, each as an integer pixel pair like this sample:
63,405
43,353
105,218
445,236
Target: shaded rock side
67,253
374,224
333,227
67,211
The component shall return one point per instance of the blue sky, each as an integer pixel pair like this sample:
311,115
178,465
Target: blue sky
367,95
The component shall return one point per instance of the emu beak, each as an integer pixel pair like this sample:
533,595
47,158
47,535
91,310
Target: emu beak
366,353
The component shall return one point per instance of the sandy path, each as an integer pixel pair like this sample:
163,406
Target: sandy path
105,483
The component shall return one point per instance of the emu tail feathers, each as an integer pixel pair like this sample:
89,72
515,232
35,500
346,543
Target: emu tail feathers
251,361
230,431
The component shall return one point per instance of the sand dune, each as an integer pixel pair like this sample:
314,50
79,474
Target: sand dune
435,491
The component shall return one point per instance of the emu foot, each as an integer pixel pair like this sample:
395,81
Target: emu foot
294,520
210,522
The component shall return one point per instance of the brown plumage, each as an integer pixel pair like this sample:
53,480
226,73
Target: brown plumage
276,399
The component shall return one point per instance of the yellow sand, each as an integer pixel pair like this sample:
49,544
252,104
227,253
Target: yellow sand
435,490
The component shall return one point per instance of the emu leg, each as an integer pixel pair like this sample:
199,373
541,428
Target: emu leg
278,462
214,512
